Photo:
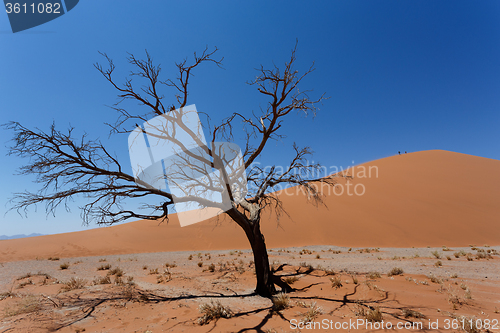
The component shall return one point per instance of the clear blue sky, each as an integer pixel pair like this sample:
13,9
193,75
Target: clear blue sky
401,75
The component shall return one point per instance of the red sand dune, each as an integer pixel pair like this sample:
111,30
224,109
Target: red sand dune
429,198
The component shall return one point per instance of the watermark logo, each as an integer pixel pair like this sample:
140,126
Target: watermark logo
25,15
170,153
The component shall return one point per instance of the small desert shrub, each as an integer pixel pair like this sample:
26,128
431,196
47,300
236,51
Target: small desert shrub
28,304
374,275
454,276
118,272
53,258
119,281
290,279
483,255
436,254
435,279
104,267
329,272
64,266
169,265
372,315
145,267
457,254
281,301
354,279
309,267
102,260
74,283
214,310
438,263
153,271
408,313
445,248
312,313
200,264
130,281
102,280
448,257
470,257
318,256
395,271
190,257
211,267
336,282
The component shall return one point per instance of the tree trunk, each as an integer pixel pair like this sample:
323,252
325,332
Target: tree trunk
265,284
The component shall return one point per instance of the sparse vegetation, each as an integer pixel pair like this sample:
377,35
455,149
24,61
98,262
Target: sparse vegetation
374,275
104,267
436,254
53,258
395,271
438,263
118,272
408,313
200,264
312,313
281,301
370,314
102,280
74,283
64,266
336,282
435,279
213,311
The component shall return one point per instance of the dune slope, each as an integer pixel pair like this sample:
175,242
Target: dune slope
428,198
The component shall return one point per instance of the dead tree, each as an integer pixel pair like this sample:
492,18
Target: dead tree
67,167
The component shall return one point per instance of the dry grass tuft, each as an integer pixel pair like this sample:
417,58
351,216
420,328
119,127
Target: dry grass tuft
74,283
436,254
104,267
395,271
435,279
370,314
118,272
312,313
336,282
374,275
102,280
214,310
408,313
281,301
64,266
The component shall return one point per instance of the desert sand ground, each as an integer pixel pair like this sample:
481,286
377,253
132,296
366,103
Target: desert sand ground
432,214
163,292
